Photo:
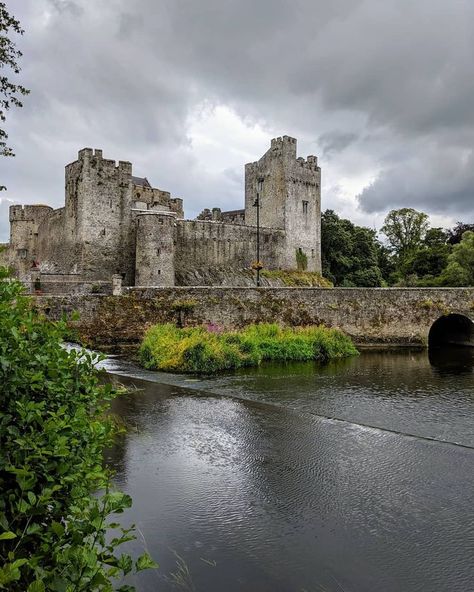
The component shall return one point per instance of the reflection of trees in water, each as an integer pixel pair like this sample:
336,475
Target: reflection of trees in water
383,370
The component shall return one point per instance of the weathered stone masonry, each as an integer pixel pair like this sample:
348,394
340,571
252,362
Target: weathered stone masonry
399,316
115,223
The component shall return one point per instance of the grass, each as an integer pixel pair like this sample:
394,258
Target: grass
204,351
297,278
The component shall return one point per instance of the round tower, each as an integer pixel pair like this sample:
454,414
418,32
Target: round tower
154,264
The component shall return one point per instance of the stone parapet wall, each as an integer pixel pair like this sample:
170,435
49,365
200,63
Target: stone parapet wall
392,316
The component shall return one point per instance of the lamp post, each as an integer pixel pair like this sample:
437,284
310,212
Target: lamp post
256,204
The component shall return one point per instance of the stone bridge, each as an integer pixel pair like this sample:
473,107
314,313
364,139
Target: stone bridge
371,316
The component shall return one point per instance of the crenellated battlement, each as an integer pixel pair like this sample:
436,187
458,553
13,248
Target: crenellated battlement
94,157
29,213
282,141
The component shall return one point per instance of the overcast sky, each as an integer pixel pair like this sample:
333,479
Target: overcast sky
190,90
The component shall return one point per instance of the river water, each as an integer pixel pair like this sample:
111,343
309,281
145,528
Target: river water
356,476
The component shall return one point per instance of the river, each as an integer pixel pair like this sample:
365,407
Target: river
354,476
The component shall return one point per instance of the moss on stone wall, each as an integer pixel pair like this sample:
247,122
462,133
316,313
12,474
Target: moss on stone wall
297,278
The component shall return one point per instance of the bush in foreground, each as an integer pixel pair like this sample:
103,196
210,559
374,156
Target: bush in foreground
205,350
53,430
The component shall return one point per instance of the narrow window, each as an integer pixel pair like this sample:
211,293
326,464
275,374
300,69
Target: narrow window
158,251
159,272
305,207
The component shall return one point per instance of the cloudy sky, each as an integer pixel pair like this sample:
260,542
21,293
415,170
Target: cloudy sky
190,90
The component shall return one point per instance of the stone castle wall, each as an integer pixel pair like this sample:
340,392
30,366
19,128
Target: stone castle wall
150,197
25,222
155,249
206,245
114,223
99,215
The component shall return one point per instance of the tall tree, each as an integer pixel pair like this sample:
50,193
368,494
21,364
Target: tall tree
405,230
431,257
460,268
349,252
455,234
10,93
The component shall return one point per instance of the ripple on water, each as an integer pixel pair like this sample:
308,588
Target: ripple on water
260,497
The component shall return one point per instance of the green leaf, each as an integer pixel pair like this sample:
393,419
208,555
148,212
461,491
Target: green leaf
125,564
145,562
31,498
57,528
36,586
6,536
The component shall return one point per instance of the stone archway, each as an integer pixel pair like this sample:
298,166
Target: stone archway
452,329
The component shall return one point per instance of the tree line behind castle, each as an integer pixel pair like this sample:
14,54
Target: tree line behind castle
116,225
411,253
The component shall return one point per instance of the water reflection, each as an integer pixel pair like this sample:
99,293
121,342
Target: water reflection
452,360
265,495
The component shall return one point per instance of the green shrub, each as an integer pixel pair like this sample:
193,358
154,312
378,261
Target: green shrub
53,430
200,350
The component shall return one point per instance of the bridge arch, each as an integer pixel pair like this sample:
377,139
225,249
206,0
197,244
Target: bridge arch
452,329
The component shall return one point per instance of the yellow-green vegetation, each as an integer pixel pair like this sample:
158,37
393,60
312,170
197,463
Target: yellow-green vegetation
206,350
297,278
184,305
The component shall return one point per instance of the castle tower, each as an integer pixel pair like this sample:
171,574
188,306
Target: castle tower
154,263
98,216
24,223
289,193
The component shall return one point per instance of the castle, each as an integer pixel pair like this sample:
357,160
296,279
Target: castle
114,223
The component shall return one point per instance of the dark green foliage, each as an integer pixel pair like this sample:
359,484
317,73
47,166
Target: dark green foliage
438,260
460,268
455,234
207,350
53,430
350,253
430,258
405,230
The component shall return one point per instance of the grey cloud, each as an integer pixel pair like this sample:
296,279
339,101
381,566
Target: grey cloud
64,6
336,141
375,83
439,181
